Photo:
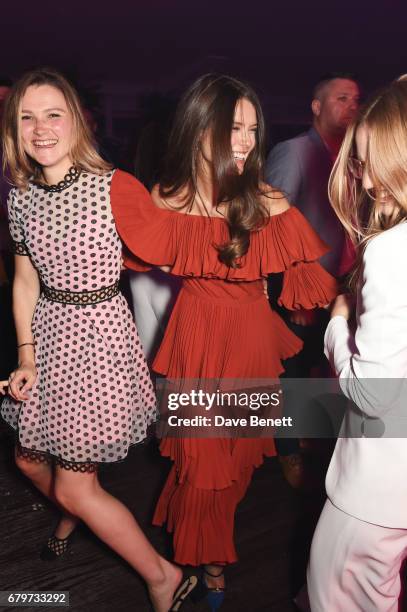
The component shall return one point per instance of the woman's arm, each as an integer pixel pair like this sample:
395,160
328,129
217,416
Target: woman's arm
26,290
372,363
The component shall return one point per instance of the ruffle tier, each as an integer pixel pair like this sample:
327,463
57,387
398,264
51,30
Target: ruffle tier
205,534
187,243
218,329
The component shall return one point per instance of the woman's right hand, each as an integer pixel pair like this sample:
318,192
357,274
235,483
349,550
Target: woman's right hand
22,380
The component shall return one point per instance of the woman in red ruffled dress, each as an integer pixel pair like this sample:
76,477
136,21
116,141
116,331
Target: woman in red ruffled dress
219,227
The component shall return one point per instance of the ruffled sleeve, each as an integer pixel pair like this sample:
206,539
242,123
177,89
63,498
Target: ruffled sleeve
187,243
307,285
290,245
140,224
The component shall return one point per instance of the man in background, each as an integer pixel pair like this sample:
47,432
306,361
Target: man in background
300,168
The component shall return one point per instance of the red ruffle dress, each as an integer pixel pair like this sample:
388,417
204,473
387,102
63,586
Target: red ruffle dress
222,326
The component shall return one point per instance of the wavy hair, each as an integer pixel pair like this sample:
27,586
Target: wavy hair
358,209
21,167
208,107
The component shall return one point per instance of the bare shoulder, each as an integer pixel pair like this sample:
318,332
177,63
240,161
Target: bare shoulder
170,203
157,199
273,200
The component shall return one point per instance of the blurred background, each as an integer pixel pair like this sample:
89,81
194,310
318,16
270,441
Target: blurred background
131,58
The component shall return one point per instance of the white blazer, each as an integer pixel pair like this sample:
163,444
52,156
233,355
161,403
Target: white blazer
367,477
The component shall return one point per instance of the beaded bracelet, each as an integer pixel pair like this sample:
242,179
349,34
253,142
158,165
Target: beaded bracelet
26,344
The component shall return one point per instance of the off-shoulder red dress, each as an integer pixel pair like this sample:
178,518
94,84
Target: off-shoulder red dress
221,326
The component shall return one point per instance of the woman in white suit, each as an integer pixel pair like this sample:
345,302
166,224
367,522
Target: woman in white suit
361,537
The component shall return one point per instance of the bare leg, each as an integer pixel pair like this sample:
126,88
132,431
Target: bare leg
42,477
82,495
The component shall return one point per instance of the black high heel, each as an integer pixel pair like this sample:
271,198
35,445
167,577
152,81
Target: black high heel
56,547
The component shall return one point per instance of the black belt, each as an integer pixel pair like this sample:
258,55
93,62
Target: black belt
80,298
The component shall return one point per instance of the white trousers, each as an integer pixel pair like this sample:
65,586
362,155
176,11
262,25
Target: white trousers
153,294
354,566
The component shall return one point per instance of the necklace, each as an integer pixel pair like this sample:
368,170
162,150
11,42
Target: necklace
69,178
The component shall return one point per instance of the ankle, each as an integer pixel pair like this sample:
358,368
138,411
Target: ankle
213,570
214,576
65,527
163,571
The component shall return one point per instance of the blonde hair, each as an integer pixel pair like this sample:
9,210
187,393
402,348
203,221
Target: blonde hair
385,118
83,153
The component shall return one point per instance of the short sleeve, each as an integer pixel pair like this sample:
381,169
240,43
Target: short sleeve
16,226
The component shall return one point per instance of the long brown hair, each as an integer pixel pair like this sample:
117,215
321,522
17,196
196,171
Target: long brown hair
385,118
20,166
208,106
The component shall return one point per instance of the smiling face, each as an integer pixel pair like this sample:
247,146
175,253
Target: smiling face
46,130
243,136
244,130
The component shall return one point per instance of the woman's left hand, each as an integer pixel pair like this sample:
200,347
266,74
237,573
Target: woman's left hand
343,306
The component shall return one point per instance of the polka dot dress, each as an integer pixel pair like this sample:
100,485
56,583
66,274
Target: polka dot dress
93,396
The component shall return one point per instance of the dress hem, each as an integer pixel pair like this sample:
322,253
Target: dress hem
89,465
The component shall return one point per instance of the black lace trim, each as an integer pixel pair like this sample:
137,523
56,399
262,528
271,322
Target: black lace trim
85,466
69,178
41,457
32,455
81,298
20,248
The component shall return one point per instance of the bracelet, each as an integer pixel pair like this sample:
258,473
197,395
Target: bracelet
26,344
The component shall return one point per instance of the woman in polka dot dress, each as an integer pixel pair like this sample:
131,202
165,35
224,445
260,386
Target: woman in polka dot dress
81,393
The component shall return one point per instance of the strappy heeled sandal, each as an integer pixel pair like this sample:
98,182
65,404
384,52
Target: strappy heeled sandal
214,595
186,587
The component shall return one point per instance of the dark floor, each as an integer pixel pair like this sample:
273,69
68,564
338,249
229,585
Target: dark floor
273,529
